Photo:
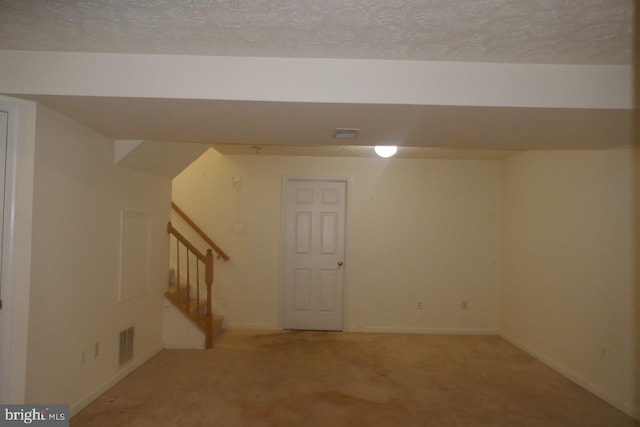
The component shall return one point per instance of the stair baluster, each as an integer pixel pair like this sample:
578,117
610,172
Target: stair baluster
198,314
188,284
208,278
205,324
204,321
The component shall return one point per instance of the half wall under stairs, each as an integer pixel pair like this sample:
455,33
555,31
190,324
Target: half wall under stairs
182,328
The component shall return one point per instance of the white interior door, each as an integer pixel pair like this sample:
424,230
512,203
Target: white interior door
314,236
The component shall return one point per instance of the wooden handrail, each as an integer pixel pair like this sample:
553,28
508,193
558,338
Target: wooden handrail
185,242
188,220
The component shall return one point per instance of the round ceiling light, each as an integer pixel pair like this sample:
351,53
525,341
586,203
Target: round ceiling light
386,150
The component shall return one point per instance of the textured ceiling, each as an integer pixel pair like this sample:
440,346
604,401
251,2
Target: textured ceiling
525,31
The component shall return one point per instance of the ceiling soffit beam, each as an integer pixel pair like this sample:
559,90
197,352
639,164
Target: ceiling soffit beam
122,147
162,158
316,80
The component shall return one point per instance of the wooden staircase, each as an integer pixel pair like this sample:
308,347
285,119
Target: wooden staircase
192,296
195,311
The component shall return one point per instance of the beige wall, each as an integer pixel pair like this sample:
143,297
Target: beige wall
567,283
417,229
78,197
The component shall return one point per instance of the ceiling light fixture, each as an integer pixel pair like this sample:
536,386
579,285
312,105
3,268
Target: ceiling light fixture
386,151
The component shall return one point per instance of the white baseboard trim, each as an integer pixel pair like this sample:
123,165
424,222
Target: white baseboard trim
426,331
254,326
182,346
576,378
119,375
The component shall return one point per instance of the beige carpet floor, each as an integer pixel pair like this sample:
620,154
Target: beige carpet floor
341,379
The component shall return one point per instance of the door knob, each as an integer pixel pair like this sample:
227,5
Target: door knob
340,263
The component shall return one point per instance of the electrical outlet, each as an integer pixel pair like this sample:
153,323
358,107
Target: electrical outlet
465,305
419,305
96,350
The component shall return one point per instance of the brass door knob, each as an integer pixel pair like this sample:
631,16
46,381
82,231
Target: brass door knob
340,263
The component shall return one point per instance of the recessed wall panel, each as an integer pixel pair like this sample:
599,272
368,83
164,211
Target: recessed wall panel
134,254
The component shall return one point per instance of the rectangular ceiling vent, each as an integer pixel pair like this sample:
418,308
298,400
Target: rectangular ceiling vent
346,133
126,346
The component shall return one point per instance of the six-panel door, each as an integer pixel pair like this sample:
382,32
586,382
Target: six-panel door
314,254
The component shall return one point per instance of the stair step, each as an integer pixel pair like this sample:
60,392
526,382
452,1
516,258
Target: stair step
199,321
181,289
193,307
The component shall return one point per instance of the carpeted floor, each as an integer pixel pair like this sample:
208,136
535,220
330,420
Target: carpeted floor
341,379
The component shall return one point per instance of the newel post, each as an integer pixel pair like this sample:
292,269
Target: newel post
208,279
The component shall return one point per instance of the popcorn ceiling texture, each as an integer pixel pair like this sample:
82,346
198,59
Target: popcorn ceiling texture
521,31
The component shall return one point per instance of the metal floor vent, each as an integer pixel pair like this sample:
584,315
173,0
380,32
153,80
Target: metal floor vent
126,345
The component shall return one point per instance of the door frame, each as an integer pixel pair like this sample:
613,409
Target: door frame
16,262
282,272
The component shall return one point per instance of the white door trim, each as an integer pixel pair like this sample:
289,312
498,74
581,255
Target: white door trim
16,262
282,275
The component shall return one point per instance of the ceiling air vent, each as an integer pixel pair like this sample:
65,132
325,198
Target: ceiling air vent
346,133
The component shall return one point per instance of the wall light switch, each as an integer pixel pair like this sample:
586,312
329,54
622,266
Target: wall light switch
238,228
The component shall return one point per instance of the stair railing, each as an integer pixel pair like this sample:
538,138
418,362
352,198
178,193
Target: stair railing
207,261
220,253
